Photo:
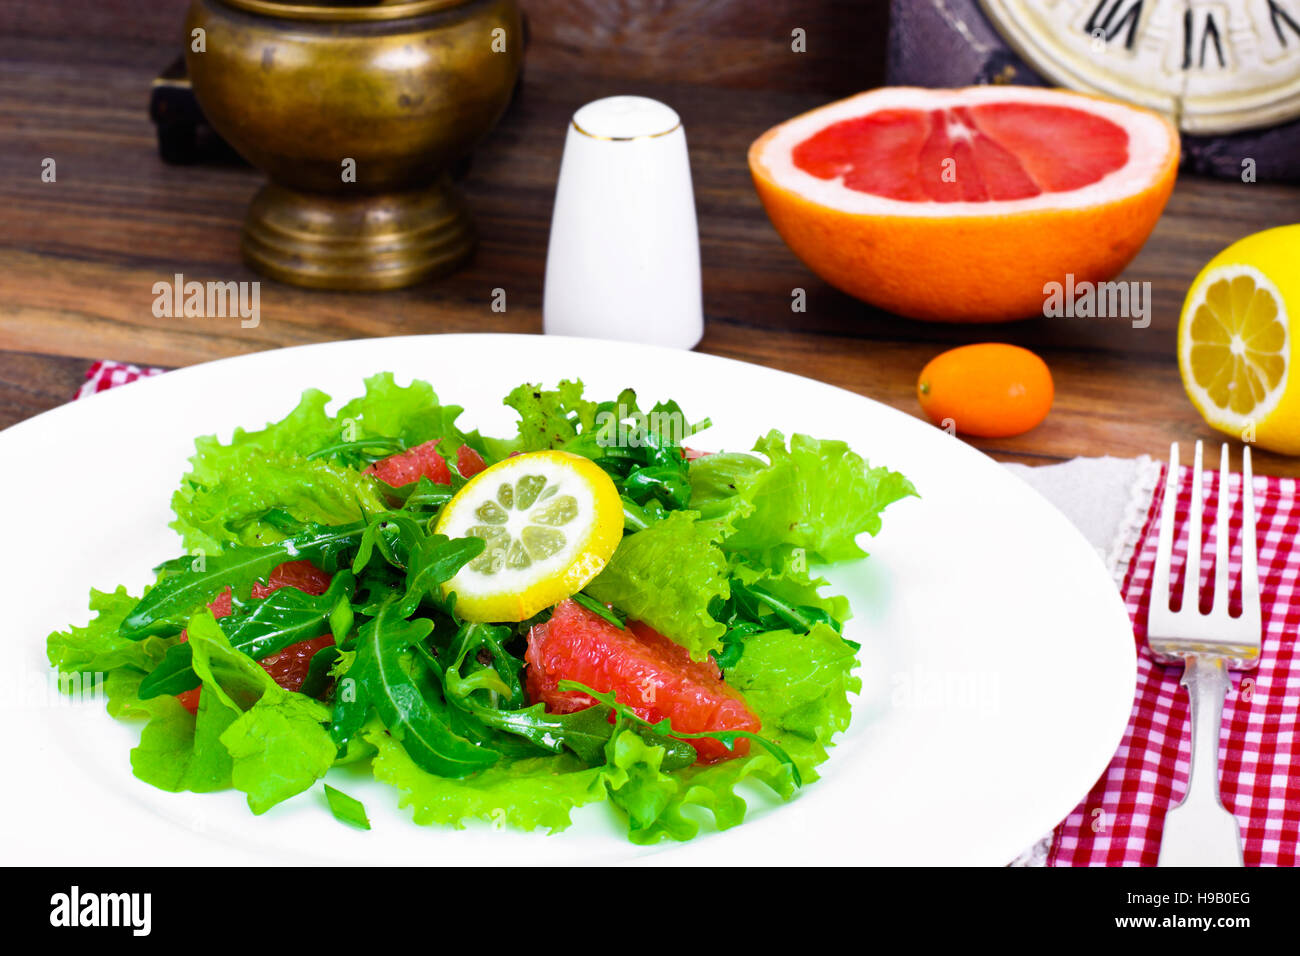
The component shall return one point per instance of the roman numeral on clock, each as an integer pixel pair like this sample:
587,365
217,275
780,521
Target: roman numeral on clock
1110,17
1279,18
1201,34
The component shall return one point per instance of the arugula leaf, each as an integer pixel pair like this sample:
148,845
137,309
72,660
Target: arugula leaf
766,597
184,587
602,610
284,617
346,809
664,728
380,677
431,561
786,577
583,732
507,669
427,560
642,452
360,454
319,672
668,576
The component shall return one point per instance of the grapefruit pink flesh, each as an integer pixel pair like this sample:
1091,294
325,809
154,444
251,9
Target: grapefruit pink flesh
978,153
407,467
469,462
644,670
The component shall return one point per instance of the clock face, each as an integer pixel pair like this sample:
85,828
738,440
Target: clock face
1213,66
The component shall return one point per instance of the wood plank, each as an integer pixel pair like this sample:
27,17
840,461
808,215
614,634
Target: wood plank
31,384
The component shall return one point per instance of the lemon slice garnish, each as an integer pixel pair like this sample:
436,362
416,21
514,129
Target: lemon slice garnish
1235,340
549,520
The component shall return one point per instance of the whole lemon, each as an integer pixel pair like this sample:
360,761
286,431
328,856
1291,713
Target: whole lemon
1237,337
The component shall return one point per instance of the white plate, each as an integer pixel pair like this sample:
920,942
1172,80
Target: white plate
998,661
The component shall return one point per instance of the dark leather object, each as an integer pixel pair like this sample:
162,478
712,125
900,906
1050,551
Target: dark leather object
952,43
184,136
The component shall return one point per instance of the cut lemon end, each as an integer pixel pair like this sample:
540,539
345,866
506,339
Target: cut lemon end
1233,346
550,522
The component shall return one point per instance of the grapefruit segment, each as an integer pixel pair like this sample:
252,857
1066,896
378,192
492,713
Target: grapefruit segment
407,467
469,462
961,205
644,670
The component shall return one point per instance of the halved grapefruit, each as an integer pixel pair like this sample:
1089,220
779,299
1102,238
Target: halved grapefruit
961,205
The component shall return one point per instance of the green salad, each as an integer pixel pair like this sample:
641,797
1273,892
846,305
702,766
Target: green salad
502,628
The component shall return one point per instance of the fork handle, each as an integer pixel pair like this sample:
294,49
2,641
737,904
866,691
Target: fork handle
1199,831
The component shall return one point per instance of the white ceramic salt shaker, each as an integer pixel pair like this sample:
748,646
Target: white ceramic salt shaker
624,254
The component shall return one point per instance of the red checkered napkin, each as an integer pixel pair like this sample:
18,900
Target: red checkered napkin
105,375
1120,821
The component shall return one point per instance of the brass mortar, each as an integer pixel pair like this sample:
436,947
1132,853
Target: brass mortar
401,88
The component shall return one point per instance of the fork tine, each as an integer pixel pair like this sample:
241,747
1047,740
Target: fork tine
1249,566
1220,605
1165,542
1192,573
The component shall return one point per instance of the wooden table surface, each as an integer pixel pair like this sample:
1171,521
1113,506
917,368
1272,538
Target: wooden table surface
79,257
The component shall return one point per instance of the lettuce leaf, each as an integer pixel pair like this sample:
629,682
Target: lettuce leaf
532,793
668,575
815,495
99,645
231,486
797,684
550,418
229,509
638,786
412,413
275,739
181,751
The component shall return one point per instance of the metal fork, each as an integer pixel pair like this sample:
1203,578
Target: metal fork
1199,831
